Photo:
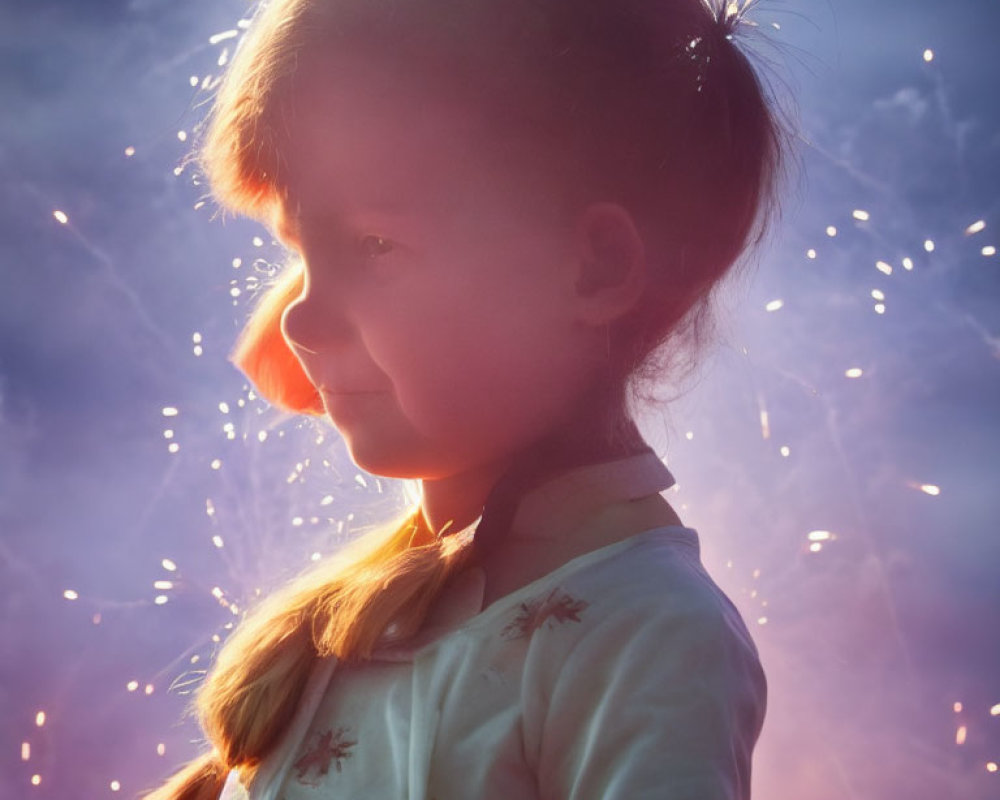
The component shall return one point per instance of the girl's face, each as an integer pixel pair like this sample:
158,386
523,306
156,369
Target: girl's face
437,315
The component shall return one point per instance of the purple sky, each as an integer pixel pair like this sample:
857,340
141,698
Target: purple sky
869,643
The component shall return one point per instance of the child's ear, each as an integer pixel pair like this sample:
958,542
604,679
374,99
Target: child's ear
611,268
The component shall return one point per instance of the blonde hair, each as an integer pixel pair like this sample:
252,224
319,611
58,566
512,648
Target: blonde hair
691,91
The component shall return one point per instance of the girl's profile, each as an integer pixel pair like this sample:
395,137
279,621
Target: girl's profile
506,220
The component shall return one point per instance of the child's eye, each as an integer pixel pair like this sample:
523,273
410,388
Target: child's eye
373,246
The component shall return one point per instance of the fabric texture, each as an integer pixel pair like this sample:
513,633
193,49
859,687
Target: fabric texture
624,673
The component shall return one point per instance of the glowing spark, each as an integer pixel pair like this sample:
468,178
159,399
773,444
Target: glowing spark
762,620
774,305
217,541
132,685
257,241
928,55
243,23
360,479
36,779
860,215
327,499
261,436
811,254
989,250
995,711
957,708
193,81
216,463
929,245
209,507
297,522
215,38
168,565
197,350
178,171
815,547
223,57
169,411
931,489
217,593
785,451
161,748
315,557
831,231
756,574
854,372
224,407
173,447
908,264
880,308
149,689
70,594
991,766
235,291
689,435
819,536
129,151
40,719
960,735
196,337
182,136
60,216
878,294
25,751
765,427
168,434
976,227
115,786
883,267
163,586
237,263
161,599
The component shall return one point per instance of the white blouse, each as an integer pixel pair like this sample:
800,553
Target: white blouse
624,673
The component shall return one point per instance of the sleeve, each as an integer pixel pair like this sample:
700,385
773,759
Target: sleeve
665,705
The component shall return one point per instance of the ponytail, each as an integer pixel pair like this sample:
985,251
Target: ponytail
378,591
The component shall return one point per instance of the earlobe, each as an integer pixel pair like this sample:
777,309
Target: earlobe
612,264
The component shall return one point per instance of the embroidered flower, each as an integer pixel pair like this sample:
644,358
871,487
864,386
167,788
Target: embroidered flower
558,606
331,747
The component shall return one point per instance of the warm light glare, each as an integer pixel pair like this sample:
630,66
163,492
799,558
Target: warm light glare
854,372
908,264
957,707
991,766
785,451
815,547
168,565
161,599
819,536
928,55
861,215
989,250
217,541
161,748
774,305
163,585
960,735
976,227
132,685
929,245
115,786
931,489
811,254
883,267
221,37
169,411
995,710
25,751
878,295
831,231
60,216
40,719
36,780
69,594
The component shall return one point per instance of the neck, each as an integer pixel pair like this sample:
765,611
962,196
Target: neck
454,502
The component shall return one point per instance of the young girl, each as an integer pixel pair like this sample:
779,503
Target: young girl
504,213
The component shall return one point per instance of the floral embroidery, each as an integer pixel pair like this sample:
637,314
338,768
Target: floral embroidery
330,747
558,606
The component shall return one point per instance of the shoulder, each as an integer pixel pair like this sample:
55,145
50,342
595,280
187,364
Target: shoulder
649,606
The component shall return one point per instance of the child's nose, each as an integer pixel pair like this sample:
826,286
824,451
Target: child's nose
315,322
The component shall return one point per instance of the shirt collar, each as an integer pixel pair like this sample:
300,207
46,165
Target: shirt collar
589,487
